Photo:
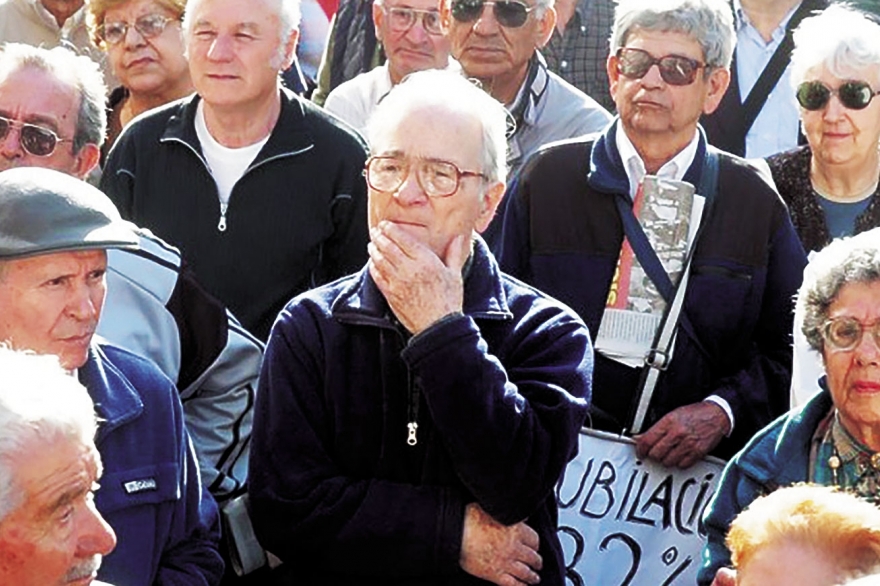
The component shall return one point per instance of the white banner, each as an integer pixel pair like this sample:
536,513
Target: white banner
627,522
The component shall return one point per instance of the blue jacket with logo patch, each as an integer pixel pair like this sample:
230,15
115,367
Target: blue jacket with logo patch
167,527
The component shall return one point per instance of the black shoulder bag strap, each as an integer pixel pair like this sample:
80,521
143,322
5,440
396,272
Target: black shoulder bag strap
773,71
658,357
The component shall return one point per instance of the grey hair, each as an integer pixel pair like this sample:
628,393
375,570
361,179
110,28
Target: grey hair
846,260
448,91
79,71
841,38
39,400
288,12
709,22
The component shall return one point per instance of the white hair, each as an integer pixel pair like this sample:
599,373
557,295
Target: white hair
39,400
841,38
456,96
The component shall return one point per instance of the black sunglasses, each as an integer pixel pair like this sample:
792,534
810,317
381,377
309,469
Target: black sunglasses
855,95
674,69
508,13
36,140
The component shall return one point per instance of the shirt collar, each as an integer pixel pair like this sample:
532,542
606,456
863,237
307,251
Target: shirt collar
675,168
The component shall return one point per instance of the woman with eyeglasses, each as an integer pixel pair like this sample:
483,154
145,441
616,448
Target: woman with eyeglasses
830,185
833,439
145,47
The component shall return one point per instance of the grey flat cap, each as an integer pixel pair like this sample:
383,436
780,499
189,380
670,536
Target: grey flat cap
44,211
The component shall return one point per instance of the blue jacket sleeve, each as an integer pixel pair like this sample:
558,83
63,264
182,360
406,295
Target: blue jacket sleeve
191,556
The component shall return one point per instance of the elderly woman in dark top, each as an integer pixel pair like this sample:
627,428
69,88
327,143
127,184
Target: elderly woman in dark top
834,439
830,185
144,44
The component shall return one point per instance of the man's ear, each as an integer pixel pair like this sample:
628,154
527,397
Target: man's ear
546,26
290,49
86,160
378,15
489,204
445,15
717,84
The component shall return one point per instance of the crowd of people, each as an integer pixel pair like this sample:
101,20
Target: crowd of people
351,337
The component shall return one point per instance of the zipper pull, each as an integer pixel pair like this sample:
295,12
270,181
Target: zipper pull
412,426
221,225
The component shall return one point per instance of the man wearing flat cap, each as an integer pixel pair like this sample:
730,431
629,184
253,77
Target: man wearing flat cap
54,234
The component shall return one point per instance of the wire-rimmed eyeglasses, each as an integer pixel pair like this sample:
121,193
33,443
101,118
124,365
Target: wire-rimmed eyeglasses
149,26
845,333
36,140
402,19
436,178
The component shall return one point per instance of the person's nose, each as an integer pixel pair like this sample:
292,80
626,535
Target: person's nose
834,109
867,351
652,77
133,37
10,145
96,537
221,48
487,24
417,33
82,303
410,191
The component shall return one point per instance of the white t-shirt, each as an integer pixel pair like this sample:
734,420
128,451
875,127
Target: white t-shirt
226,165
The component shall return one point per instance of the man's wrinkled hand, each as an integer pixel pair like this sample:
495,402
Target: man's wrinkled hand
506,555
420,287
725,577
684,436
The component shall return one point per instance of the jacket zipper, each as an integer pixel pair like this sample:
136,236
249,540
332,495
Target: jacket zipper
221,225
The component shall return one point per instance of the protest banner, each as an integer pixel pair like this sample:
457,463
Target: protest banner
628,522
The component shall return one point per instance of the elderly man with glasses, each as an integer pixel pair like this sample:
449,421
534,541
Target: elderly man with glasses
413,40
611,226
497,42
413,418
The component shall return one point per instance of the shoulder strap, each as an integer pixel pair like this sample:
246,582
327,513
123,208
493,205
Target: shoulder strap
773,71
661,351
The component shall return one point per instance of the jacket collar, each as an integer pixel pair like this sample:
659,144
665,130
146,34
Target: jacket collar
526,107
362,303
607,173
116,400
782,458
290,136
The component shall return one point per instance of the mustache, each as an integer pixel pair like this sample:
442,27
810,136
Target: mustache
84,569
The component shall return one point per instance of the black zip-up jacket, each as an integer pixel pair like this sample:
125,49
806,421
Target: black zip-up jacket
296,218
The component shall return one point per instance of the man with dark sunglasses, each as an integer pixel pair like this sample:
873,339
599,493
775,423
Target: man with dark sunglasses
497,42
608,225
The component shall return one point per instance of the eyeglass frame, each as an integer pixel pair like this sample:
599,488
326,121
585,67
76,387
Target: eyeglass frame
697,65
834,92
408,162
128,25
413,12
494,3
873,326
22,125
